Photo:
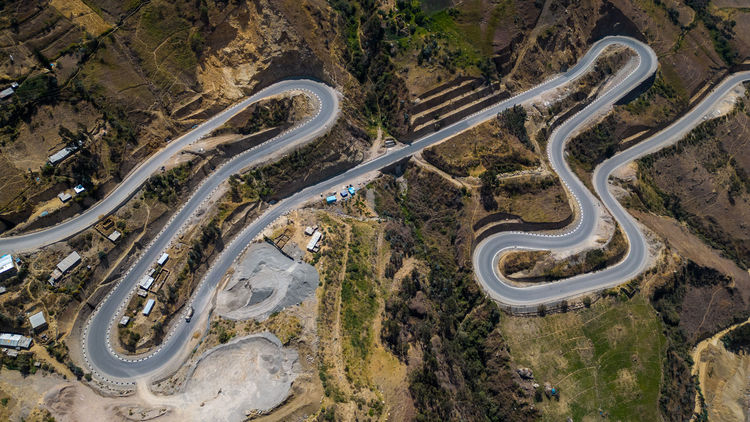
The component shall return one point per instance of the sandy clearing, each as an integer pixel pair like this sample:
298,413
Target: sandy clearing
724,378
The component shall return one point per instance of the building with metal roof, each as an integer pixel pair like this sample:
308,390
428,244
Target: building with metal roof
14,341
7,267
7,92
69,262
114,236
37,321
64,197
314,240
163,259
149,306
146,282
61,155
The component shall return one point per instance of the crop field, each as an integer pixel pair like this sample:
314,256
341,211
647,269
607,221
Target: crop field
605,360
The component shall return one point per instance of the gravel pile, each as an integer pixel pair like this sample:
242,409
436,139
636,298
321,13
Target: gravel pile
265,281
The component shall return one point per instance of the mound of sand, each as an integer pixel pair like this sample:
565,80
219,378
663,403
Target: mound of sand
265,281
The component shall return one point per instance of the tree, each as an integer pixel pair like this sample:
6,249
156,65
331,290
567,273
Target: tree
564,306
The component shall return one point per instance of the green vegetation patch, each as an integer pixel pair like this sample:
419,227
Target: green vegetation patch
605,361
358,301
167,186
738,340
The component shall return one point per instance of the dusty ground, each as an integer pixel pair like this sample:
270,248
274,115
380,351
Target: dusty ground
264,282
688,245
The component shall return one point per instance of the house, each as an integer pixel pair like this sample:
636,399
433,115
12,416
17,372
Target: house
64,196
14,341
124,320
390,143
37,321
331,199
314,240
78,189
69,262
149,306
351,190
309,231
163,259
7,267
344,193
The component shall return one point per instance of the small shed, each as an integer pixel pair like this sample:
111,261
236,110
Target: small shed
331,199
163,259
351,190
124,320
114,236
37,321
78,189
64,197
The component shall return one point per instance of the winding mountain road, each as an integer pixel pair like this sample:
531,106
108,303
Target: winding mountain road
110,366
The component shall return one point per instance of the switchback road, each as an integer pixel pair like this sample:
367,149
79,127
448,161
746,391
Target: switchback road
108,365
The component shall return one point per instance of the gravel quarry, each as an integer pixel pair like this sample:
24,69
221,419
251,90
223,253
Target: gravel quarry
265,281
259,379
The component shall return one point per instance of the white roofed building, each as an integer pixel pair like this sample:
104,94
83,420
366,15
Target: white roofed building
7,267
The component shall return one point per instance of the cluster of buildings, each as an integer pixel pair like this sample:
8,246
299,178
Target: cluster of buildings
315,237
11,342
65,195
346,192
145,284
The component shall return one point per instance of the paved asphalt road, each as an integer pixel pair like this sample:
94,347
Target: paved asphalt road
311,129
487,253
107,364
